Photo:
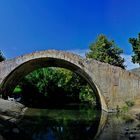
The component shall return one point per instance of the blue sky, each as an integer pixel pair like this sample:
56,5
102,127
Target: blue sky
32,25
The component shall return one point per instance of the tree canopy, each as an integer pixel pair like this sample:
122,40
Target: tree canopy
106,51
54,86
135,42
1,57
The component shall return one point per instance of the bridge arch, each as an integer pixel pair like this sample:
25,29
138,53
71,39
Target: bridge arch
23,65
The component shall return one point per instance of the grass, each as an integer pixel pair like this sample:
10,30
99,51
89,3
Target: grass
17,89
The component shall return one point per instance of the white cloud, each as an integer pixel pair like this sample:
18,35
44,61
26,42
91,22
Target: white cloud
128,62
80,52
127,58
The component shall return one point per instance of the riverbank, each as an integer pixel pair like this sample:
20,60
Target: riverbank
136,108
11,111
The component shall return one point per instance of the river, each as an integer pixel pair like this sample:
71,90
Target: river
71,124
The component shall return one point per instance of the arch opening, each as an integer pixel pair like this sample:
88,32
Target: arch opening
17,74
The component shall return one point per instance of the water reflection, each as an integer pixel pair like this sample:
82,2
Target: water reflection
121,127
46,124
61,124
57,124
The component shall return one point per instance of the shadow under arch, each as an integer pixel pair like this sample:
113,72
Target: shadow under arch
25,68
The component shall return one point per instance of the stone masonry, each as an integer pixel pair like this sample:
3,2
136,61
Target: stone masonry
112,85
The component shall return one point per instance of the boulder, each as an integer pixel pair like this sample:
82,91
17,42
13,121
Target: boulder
10,110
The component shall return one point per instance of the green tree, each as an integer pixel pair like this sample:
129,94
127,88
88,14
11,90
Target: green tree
56,85
1,57
106,51
135,42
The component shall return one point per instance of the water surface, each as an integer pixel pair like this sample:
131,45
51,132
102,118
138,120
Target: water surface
71,124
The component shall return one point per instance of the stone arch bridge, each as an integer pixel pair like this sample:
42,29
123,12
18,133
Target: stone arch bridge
112,85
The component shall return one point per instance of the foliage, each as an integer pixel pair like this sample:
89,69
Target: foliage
126,107
17,89
1,57
135,42
106,51
57,86
129,103
128,118
87,95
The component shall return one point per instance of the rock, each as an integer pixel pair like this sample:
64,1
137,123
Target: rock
10,110
134,128
126,129
10,105
138,125
15,130
1,137
132,137
138,116
126,133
